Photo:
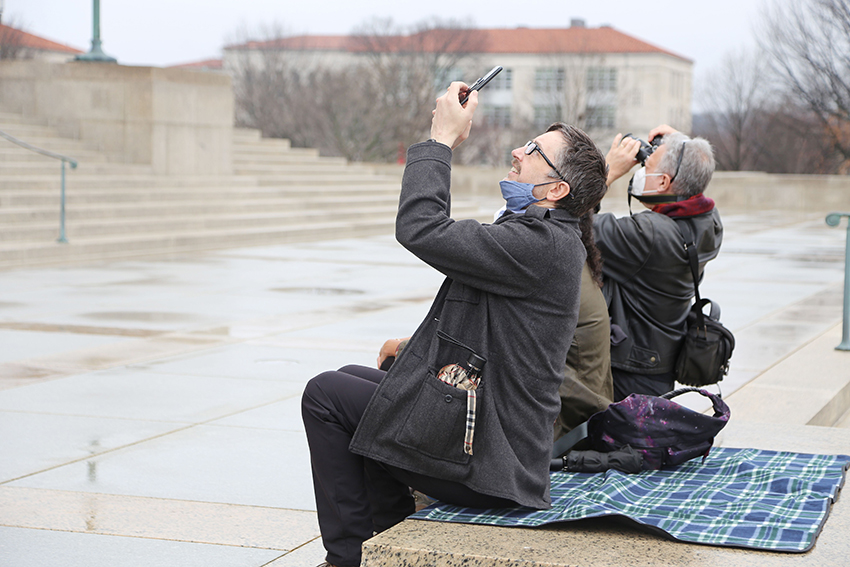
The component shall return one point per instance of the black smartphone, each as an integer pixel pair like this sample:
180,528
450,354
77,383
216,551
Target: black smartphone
479,84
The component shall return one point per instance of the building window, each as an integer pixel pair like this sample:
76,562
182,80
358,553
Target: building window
549,79
545,116
447,76
601,117
602,79
498,116
502,82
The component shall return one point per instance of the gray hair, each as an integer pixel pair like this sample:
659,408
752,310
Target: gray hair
697,163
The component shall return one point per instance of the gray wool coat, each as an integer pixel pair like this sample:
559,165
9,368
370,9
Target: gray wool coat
511,294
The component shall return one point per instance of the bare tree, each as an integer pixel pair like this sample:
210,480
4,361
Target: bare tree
363,110
808,44
264,80
413,66
564,90
735,96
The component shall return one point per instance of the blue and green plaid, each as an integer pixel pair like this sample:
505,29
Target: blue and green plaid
737,497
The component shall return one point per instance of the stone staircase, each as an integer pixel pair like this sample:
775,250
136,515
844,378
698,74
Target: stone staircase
276,194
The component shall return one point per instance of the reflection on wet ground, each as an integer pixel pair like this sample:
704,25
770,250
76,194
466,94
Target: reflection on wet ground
79,329
174,431
145,316
319,290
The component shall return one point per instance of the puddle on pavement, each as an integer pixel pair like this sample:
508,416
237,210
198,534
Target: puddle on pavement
816,257
319,290
79,329
143,281
12,370
140,316
368,307
809,314
218,331
421,299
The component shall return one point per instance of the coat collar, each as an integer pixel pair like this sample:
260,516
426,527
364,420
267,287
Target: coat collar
540,213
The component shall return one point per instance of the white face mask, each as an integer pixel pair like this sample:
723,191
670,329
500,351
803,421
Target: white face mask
638,182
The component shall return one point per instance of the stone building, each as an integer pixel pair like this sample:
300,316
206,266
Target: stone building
18,44
598,78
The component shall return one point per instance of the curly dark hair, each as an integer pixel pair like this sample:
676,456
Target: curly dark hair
584,169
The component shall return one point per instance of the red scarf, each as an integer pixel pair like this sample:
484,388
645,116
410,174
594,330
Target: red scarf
696,205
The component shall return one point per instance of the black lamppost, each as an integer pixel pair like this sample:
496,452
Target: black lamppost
96,53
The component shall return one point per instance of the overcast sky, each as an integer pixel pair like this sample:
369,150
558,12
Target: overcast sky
167,32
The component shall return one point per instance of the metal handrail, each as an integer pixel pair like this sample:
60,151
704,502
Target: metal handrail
832,219
63,159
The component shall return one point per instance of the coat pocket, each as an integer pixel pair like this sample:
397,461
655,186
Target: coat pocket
436,424
643,358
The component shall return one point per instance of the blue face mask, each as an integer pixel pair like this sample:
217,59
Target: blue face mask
518,195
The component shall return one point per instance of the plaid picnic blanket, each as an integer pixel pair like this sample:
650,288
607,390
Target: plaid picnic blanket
738,497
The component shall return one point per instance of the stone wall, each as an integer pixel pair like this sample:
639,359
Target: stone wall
176,120
733,191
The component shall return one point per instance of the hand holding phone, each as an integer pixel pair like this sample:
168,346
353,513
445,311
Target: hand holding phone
479,84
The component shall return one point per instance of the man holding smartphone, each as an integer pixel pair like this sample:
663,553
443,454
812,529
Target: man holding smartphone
510,299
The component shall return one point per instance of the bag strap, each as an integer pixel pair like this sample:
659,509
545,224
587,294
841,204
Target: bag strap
690,246
568,441
720,407
580,433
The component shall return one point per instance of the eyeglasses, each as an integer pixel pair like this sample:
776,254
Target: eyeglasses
679,161
532,147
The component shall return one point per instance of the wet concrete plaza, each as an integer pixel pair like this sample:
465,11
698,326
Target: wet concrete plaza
149,410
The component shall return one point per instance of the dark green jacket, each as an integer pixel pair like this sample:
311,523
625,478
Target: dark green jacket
587,387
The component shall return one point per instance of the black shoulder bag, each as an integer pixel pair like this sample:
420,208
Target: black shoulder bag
704,357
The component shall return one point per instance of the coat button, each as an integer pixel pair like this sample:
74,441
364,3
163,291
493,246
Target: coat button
448,399
652,359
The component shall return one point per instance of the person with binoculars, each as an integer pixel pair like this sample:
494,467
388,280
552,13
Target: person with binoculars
647,280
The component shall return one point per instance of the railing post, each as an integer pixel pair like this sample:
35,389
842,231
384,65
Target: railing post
833,219
96,52
62,209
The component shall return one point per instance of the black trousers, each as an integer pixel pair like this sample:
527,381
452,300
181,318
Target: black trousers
357,496
626,383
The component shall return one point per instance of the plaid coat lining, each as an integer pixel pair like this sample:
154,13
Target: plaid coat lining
738,497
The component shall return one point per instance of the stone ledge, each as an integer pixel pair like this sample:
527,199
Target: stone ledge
811,386
609,541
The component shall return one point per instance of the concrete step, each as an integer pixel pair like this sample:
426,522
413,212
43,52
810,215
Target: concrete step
277,194
297,167
57,144
12,118
353,178
155,244
248,133
49,211
26,131
76,195
241,157
83,178
53,166
10,152
270,146
173,224
119,182
300,227
278,144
